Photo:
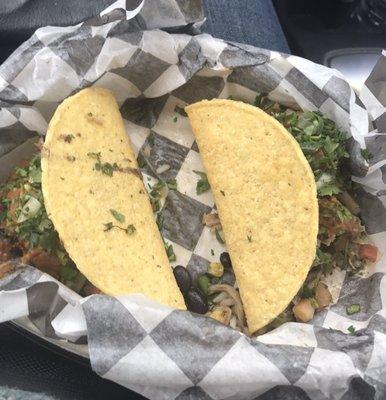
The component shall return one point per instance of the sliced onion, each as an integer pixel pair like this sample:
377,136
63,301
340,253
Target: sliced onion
222,296
29,210
233,322
162,168
228,302
233,293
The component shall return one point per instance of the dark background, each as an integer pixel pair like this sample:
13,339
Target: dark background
312,28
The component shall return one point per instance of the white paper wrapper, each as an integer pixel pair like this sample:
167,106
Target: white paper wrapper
159,352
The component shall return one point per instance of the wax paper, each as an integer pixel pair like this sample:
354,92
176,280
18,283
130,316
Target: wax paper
151,55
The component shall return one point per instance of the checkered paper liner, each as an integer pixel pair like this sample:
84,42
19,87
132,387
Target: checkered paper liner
143,53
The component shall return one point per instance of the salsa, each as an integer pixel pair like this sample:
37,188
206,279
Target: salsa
26,231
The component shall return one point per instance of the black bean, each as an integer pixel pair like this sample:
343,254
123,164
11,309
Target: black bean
183,279
225,260
228,278
197,269
16,252
196,302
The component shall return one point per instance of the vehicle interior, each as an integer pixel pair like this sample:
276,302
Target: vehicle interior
347,35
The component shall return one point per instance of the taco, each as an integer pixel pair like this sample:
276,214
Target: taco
265,194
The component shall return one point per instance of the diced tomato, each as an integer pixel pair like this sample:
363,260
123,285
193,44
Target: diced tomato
90,289
6,268
14,194
23,163
368,252
46,262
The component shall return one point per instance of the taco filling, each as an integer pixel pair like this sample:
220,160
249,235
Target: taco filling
27,233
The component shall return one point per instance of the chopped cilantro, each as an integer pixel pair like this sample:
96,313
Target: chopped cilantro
106,167
328,190
222,192
219,235
48,240
160,221
249,238
3,215
314,303
263,102
172,184
326,185
67,273
96,156
322,257
170,252
156,189
180,110
353,309
21,172
323,144
68,138
212,252
343,213
329,145
26,215
307,292
203,184
141,160
351,329
366,154
130,229
117,215
175,119
108,226
155,204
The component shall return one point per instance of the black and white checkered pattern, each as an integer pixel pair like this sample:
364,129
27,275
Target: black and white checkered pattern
164,353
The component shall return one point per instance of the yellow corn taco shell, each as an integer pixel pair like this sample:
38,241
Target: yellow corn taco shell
265,193
97,202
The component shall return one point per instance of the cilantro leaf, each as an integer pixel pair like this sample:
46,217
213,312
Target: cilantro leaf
96,156
108,226
130,229
67,273
203,184
326,185
353,309
263,102
170,252
328,190
141,160
180,110
219,236
172,184
160,221
117,215
343,213
310,123
351,329
329,145
366,154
